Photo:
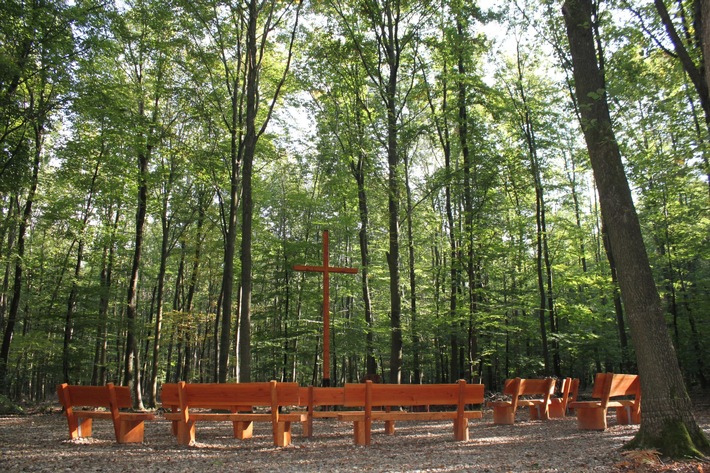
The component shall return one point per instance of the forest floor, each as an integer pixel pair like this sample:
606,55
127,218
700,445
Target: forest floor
39,442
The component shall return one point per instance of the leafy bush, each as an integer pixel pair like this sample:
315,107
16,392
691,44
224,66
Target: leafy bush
8,407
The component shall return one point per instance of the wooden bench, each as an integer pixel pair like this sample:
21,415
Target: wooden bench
393,397
325,398
568,393
504,411
234,399
591,415
128,426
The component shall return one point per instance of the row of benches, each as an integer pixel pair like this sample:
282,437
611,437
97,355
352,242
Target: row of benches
359,403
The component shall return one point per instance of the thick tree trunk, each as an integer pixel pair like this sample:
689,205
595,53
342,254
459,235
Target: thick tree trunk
618,307
667,423
705,45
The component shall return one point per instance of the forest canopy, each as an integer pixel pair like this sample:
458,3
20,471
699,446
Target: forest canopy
165,164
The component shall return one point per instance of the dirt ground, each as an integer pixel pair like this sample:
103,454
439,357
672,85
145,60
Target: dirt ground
39,443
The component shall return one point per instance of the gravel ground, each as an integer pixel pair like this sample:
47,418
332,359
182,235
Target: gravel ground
40,443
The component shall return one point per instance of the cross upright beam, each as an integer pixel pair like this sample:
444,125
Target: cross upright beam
326,269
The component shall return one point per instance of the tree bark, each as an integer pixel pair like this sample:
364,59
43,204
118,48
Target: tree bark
358,171
19,263
667,423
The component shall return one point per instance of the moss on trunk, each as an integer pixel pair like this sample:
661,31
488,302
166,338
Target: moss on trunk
675,441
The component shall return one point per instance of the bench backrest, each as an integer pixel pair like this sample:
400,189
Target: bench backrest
573,391
534,387
229,395
609,385
93,396
321,396
511,386
384,395
169,397
517,387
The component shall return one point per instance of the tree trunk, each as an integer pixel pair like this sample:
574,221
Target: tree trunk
412,279
132,373
667,423
98,374
618,307
468,236
158,326
252,85
230,239
358,171
19,263
705,46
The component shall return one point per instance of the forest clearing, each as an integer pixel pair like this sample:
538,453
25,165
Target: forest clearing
39,443
323,192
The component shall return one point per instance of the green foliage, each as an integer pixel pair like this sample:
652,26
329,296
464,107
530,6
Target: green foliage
7,407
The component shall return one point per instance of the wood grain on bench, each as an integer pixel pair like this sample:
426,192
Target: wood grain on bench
392,398
619,391
198,402
320,403
504,411
128,426
559,406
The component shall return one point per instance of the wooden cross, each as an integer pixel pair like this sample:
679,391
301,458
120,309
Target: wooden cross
326,269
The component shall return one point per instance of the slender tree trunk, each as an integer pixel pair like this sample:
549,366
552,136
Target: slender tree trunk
98,374
132,362
668,423
358,171
468,234
158,326
19,263
618,306
230,239
412,279
10,227
252,87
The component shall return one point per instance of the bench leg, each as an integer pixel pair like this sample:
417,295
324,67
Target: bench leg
461,430
359,432
243,430
625,416
503,415
556,410
80,427
537,412
591,418
131,431
534,412
186,433
282,434
389,427
308,427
